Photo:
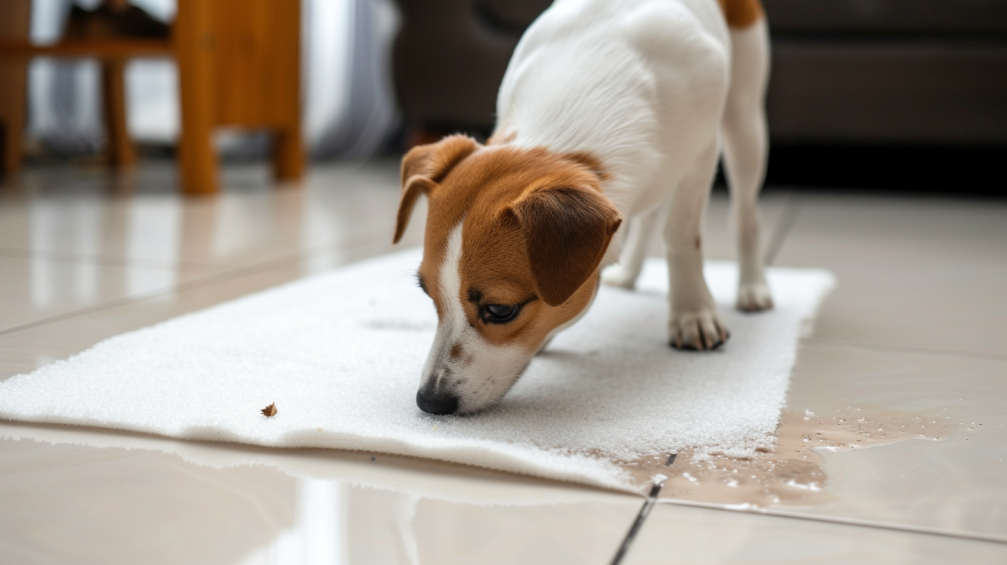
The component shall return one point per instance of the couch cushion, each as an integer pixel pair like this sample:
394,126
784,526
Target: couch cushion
514,15
917,17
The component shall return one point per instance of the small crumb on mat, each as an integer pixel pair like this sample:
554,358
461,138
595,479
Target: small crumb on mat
269,411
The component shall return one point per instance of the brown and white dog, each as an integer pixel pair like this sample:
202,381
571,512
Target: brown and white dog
608,110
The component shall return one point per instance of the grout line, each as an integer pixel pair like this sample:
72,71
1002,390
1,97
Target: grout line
141,262
907,348
191,284
188,285
919,530
68,257
648,504
791,210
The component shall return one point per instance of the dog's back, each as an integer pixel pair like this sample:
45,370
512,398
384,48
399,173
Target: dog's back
643,83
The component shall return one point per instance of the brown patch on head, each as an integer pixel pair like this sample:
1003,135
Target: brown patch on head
741,13
536,225
534,236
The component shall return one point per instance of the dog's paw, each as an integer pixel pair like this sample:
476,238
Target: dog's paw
754,297
618,277
699,330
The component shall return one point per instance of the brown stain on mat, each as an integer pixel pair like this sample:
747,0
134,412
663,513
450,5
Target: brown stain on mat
789,472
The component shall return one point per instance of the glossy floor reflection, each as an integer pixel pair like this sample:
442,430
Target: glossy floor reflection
914,325
90,496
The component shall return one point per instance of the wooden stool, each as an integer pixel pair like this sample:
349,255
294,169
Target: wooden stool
239,65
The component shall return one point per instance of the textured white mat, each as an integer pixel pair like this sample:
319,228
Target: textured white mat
340,355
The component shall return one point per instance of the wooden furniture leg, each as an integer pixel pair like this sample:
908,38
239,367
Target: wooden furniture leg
288,154
113,82
14,77
195,44
14,21
285,55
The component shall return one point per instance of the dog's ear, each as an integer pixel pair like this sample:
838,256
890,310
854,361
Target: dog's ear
423,168
567,231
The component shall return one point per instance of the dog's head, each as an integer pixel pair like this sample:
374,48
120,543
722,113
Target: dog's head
513,242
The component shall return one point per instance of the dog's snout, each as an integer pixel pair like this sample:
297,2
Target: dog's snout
436,402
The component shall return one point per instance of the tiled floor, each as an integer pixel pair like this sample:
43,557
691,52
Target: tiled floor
915,325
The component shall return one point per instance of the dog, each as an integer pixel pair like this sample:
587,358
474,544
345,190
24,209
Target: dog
608,110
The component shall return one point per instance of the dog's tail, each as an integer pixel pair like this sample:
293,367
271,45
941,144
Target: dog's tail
741,13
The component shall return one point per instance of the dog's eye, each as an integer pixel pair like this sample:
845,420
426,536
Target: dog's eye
499,313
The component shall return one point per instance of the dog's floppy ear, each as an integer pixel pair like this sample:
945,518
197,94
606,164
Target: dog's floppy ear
567,231
425,166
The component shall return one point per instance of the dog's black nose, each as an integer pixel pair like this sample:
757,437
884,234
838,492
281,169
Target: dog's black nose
436,402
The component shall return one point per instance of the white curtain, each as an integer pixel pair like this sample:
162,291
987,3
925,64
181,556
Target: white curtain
349,108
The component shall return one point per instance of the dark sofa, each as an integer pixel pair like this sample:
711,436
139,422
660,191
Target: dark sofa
844,71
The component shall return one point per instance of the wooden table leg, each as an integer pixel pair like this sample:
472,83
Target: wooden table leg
195,44
285,62
288,154
15,16
14,77
113,82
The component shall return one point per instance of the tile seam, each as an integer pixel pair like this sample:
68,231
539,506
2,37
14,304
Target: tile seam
641,516
784,225
108,260
190,284
904,528
906,348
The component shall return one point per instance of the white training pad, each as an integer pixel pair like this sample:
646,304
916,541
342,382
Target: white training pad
340,354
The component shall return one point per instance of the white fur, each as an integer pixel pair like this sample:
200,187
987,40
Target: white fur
481,376
647,86
746,140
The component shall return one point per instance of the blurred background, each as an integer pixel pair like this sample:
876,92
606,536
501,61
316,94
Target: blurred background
880,94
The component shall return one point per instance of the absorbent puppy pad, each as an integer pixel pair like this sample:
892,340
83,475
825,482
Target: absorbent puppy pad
340,355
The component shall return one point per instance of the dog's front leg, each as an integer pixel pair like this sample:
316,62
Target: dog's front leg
694,322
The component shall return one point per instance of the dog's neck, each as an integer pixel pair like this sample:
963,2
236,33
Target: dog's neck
614,122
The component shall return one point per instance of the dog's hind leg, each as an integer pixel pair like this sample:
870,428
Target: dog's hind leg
745,138
640,233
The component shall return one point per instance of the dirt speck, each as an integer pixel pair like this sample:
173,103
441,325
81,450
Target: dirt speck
269,411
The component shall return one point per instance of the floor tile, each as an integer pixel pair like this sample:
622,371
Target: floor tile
26,349
69,504
62,213
912,272
953,485
141,499
345,221
36,289
956,484
676,534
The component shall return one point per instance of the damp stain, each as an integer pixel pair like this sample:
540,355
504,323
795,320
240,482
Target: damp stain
787,470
